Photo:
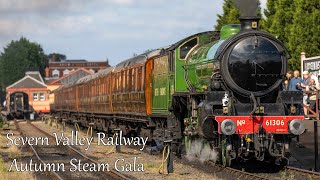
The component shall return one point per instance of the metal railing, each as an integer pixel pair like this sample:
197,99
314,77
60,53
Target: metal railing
311,113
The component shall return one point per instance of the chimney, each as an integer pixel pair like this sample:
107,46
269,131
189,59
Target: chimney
248,14
47,72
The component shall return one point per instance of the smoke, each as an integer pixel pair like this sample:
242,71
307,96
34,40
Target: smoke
200,149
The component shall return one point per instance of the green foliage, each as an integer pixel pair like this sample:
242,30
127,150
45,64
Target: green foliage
230,15
18,57
305,30
296,24
279,23
269,12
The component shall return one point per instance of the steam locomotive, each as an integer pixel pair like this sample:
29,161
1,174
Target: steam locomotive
223,87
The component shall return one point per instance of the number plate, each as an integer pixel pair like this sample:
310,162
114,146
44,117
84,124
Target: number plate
271,124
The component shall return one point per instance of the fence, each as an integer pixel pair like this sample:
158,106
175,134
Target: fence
311,112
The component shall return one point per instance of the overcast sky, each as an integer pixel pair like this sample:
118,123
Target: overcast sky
96,29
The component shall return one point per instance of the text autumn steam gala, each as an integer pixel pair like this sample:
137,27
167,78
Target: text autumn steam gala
120,164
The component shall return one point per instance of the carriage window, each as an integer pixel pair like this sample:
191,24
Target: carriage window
42,97
186,47
139,78
133,81
35,97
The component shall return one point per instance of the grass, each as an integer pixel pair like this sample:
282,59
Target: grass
6,175
12,152
287,176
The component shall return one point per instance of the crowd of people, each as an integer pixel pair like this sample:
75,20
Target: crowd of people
309,82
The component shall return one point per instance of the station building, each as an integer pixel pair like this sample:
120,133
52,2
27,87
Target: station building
39,93
67,79
34,86
60,72
58,69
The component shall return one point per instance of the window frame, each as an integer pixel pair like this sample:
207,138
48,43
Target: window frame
33,96
44,96
183,59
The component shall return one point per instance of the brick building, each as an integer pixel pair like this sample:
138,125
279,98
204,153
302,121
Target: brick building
66,80
57,69
33,85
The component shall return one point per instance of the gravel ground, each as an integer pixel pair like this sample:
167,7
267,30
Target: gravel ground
9,153
151,163
59,154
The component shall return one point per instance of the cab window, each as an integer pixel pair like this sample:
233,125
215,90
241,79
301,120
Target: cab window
186,47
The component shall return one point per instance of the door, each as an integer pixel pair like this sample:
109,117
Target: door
148,90
160,85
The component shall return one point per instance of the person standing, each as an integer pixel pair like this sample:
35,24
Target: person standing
312,96
285,85
286,82
312,76
304,84
289,75
306,80
295,82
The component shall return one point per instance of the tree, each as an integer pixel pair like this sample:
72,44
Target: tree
305,31
279,21
231,15
18,57
269,13
56,57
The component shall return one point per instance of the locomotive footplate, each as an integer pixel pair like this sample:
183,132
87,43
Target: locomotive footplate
270,124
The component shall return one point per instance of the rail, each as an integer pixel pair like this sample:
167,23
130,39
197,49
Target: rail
303,172
112,173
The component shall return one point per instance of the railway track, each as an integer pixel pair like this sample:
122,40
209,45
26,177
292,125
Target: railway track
63,154
227,172
303,173
297,172
238,173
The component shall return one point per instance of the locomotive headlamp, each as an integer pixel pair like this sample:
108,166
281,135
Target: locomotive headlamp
228,127
225,100
296,127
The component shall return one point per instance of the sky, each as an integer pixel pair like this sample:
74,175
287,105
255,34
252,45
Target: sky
99,29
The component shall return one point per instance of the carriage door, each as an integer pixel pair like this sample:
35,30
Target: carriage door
148,91
160,87
171,77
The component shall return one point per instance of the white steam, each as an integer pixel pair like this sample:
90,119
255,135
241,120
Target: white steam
199,149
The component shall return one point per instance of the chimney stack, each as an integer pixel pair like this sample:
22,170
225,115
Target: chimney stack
47,72
248,14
